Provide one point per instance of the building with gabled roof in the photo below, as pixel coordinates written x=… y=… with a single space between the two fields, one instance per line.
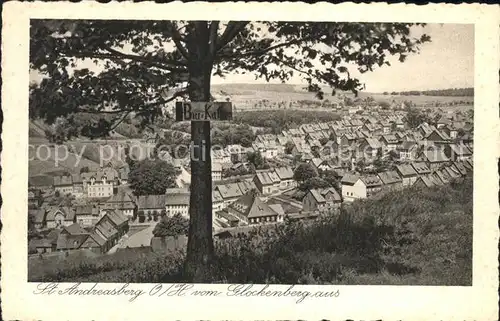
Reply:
x=59 y=216
x=250 y=209
x=434 y=158
x=285 y=174
x=421 y=168
x=122 y=202
x=373 y=184
x=390 y=180
x=457 y=152
x=229 y=192
x=266 y=182
x=352 y=187
x=389 y=142
x=177 y=202
x=73 y=229
x=407 y=173
x=370 y=147
x=424 y=182
x=87 y=215
x=460 y=168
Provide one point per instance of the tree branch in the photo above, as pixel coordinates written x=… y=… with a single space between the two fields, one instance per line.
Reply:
x=176 y=63
x=265 y=50
x=171 y=66
x=177 y=38
x=214 y=27
x=165 y=101
x=231 y=31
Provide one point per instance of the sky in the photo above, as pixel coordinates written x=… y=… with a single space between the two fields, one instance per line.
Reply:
x=446 y=62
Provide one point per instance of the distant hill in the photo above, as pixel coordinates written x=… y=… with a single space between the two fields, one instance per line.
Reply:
x=450 y=92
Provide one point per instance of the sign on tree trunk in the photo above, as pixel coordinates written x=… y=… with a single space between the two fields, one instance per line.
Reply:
x=203 y=111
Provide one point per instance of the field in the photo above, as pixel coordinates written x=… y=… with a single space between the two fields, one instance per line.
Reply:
x=47 y=157
x=245 y=96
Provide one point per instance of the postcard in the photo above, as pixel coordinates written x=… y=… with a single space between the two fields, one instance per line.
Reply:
x=249 y=161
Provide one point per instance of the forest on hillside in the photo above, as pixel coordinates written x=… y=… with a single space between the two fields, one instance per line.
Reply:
x=452 y=92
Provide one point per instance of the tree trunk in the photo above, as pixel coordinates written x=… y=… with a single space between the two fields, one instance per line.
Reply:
x=200 y=249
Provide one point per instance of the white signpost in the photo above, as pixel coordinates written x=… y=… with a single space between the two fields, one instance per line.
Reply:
x=203 y=111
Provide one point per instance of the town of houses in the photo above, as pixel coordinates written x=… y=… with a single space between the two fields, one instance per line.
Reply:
x=103 y=209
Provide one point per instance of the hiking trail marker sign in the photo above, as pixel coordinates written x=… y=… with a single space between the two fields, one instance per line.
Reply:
x=203 y=111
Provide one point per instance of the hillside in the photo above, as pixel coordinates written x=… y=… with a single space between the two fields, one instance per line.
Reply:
x=410 y=237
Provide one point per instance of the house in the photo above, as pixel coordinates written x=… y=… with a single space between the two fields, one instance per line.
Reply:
x=111 y=227
x=314 y=201
x=320 y=164
x=434 y=158
x=77 y=186
x=386 y=127
x=35 y=198
x=370 y=148
x=60 y=216
x=119 y=221
x=407 y=151
x=73 y=229
x=372 y=183
x=177 y=202
x=216 y=171
x=221 y=156
x=267 y=182
x=121 y=202
x=391 y=180
x=123 y=173
x=356 y=124
x=217 y=201
x=150 y=205
x=285 y=174
x=421 y=168
x=38 y=217
x=438 y=137
x=389 y=142
x=237 y=153
x=452 y=172
x=43 y=245
x=352 y=187
x=457 y=152
x=100 y=183
x=229 y=192
x=271 y=151
x=95 y=243
x=347 y=139
x=442 y=176
x=460 y=168
x=250 y=209
x=86 y=215
x=425 y=129
x=400 y=124
x=246 y=186
x=450 y=131
x=332 y=197
x=43 y=183
x=407 y=173
x=67 y=242
x=442 y=122
x=424 y=182
x=63 y=184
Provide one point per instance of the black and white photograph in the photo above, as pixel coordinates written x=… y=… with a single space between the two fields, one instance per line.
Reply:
x=276 y=161
x=250 y=152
